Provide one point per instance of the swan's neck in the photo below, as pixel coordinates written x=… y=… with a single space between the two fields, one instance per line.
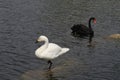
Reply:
x=43 y=47
x=89 y=24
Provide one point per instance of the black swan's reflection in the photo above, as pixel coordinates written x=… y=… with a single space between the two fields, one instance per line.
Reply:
x=90 y=39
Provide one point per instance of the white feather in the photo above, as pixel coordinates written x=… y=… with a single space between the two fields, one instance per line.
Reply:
x=49 y=50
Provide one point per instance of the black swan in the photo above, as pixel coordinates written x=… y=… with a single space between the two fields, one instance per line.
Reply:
x=82 y=30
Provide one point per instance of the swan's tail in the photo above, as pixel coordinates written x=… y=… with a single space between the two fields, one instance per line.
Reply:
x=64 y=50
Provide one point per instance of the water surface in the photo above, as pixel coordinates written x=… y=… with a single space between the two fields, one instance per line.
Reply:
x=23 y=21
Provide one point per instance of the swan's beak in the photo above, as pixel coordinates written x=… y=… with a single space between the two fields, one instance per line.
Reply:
x=36 y=41
x=94 y=21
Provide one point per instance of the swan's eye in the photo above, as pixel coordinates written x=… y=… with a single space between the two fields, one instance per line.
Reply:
x=94 y=21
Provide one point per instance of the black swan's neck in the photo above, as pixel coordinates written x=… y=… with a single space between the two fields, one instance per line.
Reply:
x=89 y=24
x=90 y=29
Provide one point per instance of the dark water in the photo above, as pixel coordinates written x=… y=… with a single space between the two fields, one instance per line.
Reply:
x=22 y=21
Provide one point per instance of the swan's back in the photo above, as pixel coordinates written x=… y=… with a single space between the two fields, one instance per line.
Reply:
x=53 y=46
x=53 y=51
x=80 y=29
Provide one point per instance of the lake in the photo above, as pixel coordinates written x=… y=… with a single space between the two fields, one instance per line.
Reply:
x=23 y=21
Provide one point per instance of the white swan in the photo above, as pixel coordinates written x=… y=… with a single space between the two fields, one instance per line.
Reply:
x=49 y=51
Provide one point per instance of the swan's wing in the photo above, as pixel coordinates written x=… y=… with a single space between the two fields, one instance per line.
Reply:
x=53 y=47
x=52 y=51
x=84 y=29
x=80 y=28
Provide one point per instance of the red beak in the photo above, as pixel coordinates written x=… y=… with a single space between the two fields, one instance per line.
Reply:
x=94 y=21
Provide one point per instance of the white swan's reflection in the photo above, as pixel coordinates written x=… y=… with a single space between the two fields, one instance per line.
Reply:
x=61 y=71
x=50 y=75
x=39 y=75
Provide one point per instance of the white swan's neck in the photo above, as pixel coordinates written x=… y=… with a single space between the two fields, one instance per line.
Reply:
x=43 y=47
